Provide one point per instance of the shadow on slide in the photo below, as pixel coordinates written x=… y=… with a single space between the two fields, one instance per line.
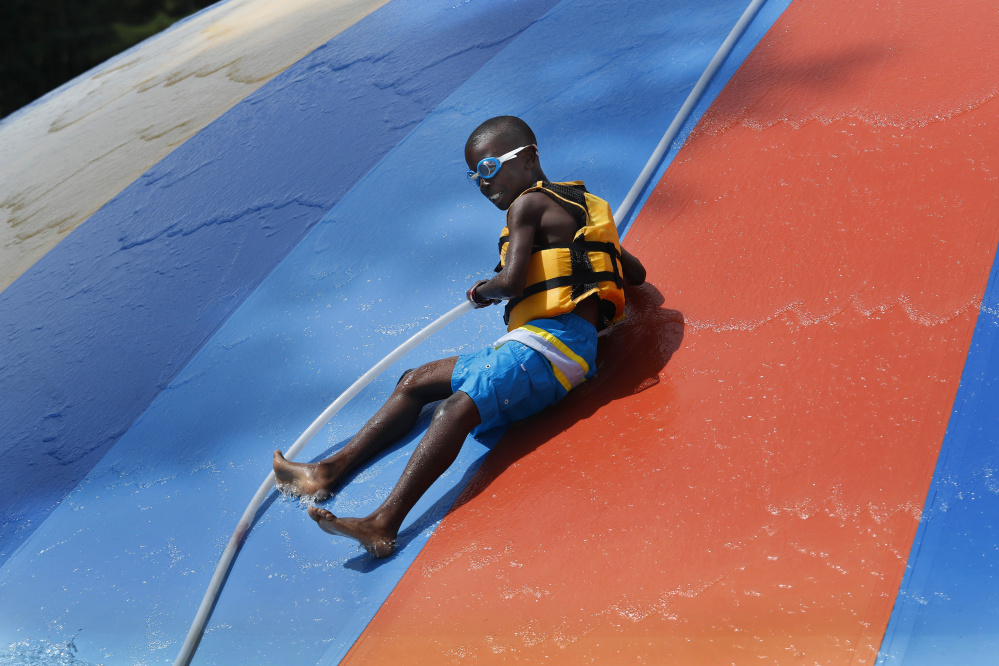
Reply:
x=630 y=357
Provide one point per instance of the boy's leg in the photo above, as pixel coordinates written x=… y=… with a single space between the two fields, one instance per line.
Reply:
x=453 y=420
x=417 y=388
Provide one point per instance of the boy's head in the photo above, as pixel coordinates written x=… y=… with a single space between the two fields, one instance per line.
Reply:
x=502 y=183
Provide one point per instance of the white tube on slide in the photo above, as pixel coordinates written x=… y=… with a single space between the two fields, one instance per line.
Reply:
x=197 y=630
x=688 y=105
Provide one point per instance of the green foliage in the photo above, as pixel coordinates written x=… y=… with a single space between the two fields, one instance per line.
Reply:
x=44 y=43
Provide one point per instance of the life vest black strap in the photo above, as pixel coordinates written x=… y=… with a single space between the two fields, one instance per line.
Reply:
x=585 y=245
x=565 y=281
x=588 y=246
x=582 y=280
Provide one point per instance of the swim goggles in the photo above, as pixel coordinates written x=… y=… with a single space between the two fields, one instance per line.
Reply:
x=490 y=166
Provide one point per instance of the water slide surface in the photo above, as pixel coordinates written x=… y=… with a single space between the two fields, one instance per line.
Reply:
x=743 y=480
x=745 y=483
x=68 y=154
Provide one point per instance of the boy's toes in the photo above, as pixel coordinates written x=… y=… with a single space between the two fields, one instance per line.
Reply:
x=318 y=514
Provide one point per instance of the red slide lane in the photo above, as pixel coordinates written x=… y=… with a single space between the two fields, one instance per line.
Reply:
x=818 y=251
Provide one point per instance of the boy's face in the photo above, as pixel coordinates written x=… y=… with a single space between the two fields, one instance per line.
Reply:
x=515 y=176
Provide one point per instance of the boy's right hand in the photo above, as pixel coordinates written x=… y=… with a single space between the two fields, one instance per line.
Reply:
x=475 y=298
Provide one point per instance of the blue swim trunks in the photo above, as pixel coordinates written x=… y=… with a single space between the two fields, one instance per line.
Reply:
x=527 y=369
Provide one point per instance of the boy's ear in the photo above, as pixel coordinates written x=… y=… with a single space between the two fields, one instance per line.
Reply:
x=531 y=158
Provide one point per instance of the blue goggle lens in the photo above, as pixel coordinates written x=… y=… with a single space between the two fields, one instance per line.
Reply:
x=487 y=168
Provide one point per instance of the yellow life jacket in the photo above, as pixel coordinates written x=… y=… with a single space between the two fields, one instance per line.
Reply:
x=561 y=275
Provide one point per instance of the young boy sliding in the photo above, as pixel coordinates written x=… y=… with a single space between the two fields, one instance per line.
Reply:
x=562 y=272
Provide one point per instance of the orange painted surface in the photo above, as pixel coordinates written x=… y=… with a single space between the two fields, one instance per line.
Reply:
x=818 y=251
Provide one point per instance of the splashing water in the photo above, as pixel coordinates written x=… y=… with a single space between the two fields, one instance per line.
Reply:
x=42 y=653
x=289 y=492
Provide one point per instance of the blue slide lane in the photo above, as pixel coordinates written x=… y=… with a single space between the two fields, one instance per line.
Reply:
x=102 y=323
x=947 y=611
x=119 y=566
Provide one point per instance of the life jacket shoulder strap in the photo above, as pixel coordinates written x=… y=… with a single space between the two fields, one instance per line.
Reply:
x=571 y=196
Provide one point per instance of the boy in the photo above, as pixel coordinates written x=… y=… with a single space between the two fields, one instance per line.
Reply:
x=562 y=271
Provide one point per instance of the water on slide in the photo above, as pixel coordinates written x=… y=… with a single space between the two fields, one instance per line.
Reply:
x=206 y=314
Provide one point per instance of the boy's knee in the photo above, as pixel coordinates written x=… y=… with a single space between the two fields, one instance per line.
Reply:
x=413 y=379
x=459 y=409
x=416 y=381
x=403 y=376
x=428 y=383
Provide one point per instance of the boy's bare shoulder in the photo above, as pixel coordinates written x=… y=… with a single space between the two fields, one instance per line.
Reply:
x=529 y=207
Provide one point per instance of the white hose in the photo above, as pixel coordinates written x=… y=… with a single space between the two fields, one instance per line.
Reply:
x=681 y=116
x=243 y=527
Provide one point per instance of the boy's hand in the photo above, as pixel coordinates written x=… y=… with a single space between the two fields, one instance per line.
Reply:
x=475 y=298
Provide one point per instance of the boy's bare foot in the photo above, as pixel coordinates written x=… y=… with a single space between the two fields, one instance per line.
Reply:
x=312 y=480
x=374 y=539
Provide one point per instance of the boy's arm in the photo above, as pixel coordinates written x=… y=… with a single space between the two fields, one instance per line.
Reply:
x=522 y=223
x=634 y=271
